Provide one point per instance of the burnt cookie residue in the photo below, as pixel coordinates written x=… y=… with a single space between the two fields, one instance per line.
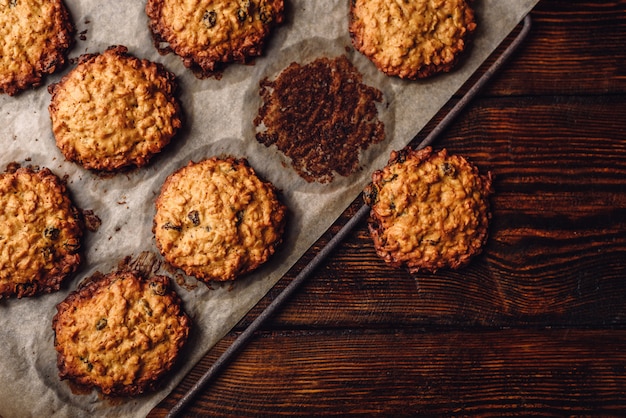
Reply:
x=321 y=116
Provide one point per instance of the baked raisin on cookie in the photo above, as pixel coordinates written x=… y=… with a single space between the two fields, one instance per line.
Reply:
x=40 y=233
x=208 y=34
x=217 y=220
x=429 y=210
x=114 y=110
x=411 y=39
x=36 y=36
x=120 y=333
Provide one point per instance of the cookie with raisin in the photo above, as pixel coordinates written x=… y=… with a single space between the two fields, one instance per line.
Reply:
x=114 y=110
x=120 y=333
x=36 y=37
x=412 y=39
x=217 y=220
x=209 y=34
x=40 y=233
x=428 y=210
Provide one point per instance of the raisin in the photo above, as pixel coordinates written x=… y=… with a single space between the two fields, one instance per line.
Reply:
x=169 y=225
x=146 y=307
x=102 y=323
x=210 y=18
x=158 y=288
x=239 y=217
x=51 y=233
x=87 y=362
x=447 y=169
x=194 y=217
x=265 y=15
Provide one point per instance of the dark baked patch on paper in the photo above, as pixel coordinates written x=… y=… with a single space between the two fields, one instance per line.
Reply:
x=321 y=116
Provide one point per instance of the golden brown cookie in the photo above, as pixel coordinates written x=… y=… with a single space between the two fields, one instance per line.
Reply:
x=217 y=220
x=411 y=39
x=36 y=36
x=120 y=333
x=40 y=233
x=114 y=110
x=207 y=34
x=429 y=210
x=321 y=116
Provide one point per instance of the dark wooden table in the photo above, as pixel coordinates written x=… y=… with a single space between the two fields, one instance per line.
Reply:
x=536 y=325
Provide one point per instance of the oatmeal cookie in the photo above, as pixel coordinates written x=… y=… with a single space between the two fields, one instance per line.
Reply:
x=429 y=210
x=40 y=233
x=114 y=110
x=411 y=39
x=120 y=333
x=321 y=116
x=208 y=34
x=36 y=36
x=217 y=220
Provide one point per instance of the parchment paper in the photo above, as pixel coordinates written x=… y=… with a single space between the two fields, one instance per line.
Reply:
x=218 y=120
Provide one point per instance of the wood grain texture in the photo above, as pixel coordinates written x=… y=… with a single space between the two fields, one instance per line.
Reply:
x=409 y=372
x=535 y=325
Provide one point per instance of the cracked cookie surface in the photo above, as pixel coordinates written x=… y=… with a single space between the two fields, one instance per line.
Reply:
x=40 y=233
x=36 y=36
x=114 y=110
x=429 y=210
x=120 y=333
x=208 y=34
x=411 y=39
x=217 y=220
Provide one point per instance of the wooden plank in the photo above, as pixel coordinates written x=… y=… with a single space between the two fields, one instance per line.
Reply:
x=575 y=47
x=404 y=372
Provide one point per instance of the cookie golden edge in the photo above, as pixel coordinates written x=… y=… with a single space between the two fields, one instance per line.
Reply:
x=278 y=221
x=77 y=320
x=110 y=164
x=62 y=243
x=363 y=44
x=379 y=221
x=208 y=61
x=53 y=57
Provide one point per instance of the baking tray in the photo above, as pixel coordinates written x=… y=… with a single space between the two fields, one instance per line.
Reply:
x=218 y=116
x=230 y=353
